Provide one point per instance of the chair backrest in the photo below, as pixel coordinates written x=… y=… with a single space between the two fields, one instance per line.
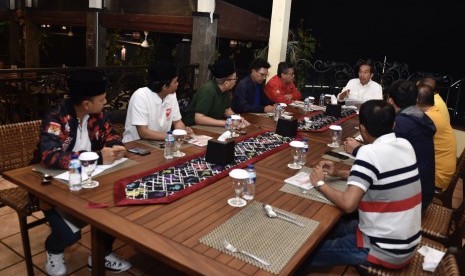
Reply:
x=446 y=196
x=17 y=144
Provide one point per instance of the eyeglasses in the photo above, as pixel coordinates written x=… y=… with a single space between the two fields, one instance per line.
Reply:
x=291 y=74
x=264 y=75
x=235 y=79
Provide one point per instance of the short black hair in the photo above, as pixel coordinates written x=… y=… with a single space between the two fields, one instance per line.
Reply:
x=404 y=93
x=367 y=62
x=377 y=116
x=283 y=67
x=258 y=63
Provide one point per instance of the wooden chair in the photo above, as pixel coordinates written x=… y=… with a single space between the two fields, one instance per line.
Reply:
x=447 y=266
x=17 y=145
x=445 y=197
x=444 y=224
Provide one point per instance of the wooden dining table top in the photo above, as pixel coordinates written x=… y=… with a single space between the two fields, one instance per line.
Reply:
x=171 y=232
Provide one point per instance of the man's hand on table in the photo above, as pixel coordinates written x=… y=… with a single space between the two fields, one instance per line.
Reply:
x=269 y=109
x=110 y=155
x=350 y=144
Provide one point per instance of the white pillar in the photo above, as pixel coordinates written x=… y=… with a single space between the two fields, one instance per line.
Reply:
x=206 y=6
x=279 y=31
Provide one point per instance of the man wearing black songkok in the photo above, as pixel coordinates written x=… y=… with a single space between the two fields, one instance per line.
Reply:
x=77 y=125
x=211 y=104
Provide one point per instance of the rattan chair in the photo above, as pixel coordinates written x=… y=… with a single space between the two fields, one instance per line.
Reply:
x=443 y=224
x=444 y=198
x=448 y=265
x=17 y=145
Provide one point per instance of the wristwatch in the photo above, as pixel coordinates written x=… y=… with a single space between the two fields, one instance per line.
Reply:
x=319 y=184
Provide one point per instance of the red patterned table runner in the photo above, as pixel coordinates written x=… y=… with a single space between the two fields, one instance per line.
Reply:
x=186 y=175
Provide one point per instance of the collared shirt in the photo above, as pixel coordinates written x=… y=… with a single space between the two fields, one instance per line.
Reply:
x=359 y=92
x=146 y=108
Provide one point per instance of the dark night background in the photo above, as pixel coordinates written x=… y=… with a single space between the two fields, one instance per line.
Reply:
x=428 y=35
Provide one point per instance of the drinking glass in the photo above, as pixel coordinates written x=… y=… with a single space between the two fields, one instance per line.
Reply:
x=88 y=164
x=238 y=178
x=311 y=101
x=179 y=136
x=235 y=121
x=297 y=148
x=336 y=136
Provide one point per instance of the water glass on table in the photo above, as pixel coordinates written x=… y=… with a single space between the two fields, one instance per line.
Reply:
x=336 y=136
x=179 y=136
x=297 y=148
x=238 y=179
x=88 y=165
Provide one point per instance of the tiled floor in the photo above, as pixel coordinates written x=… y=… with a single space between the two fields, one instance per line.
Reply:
x=12 y=262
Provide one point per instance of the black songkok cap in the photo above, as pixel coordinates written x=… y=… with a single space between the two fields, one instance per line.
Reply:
x=86 y=83
x=162 y=71
x=222 y=69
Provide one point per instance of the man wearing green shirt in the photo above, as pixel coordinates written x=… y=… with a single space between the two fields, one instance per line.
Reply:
x=211 y=104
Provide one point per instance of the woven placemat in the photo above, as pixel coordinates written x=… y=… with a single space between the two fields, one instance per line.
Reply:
x=125 y=164
x=213 y=129
x=151 y=143
x=313 y=194
x=272 y=239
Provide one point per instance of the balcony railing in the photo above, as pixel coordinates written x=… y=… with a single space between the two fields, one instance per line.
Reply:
x=26 y=94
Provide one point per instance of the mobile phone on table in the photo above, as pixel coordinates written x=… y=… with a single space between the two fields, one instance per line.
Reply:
x=337 y=155
x=139 y=151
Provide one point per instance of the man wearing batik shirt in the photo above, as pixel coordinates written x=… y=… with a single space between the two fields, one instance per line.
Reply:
x=384 y=186
x=77 y=125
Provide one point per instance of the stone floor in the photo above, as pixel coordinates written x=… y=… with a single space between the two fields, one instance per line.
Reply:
x=12 y=261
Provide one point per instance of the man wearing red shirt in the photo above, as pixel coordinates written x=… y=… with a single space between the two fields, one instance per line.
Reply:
x=281 y=88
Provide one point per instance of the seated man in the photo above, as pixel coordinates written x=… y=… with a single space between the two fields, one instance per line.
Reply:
x=153 y=110
x=384 y=186
x=362 y=88
x=248 y=96
x=445 y=145
x=77 y=125
x=415 y=126
x=438 y=101
x=211 y=103
x=281 y=88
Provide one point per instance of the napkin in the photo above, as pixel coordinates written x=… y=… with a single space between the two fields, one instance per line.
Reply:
x=432 y=257
x=224 y=136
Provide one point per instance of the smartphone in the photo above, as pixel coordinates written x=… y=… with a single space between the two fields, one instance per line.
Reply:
x=139 y=151
x=337 y=155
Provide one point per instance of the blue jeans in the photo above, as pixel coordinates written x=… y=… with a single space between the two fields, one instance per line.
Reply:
x=62 y=236
x=339 y=248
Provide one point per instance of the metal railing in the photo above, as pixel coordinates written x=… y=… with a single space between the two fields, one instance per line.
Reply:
x=26 y=94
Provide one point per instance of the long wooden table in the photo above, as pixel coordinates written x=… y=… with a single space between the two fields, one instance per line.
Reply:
x=171 y=232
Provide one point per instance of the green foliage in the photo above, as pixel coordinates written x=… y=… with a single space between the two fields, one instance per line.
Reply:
x=301 y=47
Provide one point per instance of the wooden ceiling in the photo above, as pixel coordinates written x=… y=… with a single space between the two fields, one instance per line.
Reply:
x=233 y=22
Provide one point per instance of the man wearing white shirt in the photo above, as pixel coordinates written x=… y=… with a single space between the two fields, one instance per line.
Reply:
x=362 y=88
x=154 y=109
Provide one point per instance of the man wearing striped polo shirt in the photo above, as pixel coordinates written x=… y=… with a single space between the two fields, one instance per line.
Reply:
x=384 y=185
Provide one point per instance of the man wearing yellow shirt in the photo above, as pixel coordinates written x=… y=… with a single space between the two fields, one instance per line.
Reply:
x=445 y=144
x=438 y=101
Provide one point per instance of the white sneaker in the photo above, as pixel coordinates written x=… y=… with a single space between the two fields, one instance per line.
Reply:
x=55 y=264
x=112 y=263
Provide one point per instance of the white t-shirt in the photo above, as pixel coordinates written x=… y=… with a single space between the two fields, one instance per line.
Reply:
x=358 y=92
x=146 y=108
